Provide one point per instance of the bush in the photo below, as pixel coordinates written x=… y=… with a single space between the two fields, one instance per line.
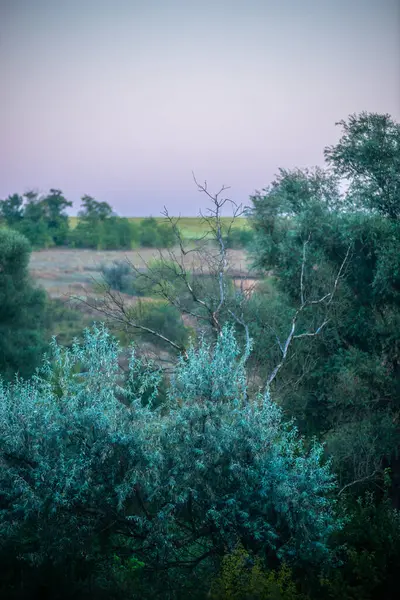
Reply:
x=66 y=322
x=88 y=472
x=112 y=233
x=239 y=238
x=120 y=276
x=163 y=318
x=22 y=309
x=370 y=543
x=243 y=577
x=154 y=235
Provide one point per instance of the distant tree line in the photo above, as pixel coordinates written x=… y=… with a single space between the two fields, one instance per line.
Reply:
x=43 y=220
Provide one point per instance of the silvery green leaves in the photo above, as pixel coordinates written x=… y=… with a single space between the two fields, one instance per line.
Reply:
x=214 y=373
x=176 y=484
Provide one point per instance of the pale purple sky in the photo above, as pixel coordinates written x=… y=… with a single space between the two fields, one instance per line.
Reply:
x=122 y=99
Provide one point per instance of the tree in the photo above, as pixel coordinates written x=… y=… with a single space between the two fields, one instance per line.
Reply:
x=368 y=155
x=22 y=309
x=155 y=235
x=88 y=472
x=94 y=211
x=100 y=228
x=11 y=211
x=345 y=383
x=42 y=219
x=54 y=205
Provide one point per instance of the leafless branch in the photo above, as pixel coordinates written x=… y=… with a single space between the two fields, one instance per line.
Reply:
x=361 y=480
x=113 y=306
x=212 y=259
x=327 y=299
x=303 y=264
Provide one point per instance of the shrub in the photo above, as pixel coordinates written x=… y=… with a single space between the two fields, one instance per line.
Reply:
x=155 y=235
x=88 y=472
x=239 y=238
x=161 y=317
x=370 y=543
x=243 y=577
x=111 y=233
x=22 y=309
x=121 y=277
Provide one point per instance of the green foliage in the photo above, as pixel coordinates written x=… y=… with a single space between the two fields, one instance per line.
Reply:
x=33 y=224
x=239 y=238
x=89 y=470
x=65 y=320
x=125 y=573
x=346 y=380
x=22 y=309
x=42 y=219
x=161 y=317
x=99 y=228
x=243 y=577
x=368 y=154
x=54 y=205
x=153 y=234
x=120 y=276
x=12 y=210
x=370 y=543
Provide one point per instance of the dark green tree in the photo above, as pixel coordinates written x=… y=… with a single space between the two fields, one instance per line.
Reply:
x=100 y=228
x=34 y=224
x=155 y=235
x=22 y=309
x=368 y=155
x=346 y=380
x=54 y=205
x=11 y=211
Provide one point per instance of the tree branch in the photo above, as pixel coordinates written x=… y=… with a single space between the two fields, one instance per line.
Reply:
x=304 y=303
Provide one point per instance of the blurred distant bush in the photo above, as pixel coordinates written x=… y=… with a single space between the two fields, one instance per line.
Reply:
x=120 y=276
x=239 y=238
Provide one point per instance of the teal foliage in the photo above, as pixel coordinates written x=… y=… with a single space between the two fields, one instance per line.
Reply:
x=86 y=464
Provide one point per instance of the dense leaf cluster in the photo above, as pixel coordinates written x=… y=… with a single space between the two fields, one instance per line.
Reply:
x=348 y=378
x=84 y=462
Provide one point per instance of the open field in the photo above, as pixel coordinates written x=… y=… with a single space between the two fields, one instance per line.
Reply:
x=191 y=227
x=65 y=272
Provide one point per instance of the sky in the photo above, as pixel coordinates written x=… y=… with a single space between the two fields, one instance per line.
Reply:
x=123 y=99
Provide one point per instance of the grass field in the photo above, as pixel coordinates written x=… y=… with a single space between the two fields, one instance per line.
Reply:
x=191 y=227
x=69 y=273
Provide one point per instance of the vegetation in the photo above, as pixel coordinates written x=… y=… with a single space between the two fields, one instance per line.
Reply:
x=214 y=468
x=43 y=220
x=23 y=322
x=255 y=455
x=349 y=377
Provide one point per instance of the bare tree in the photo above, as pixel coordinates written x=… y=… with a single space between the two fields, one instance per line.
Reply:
x=186 y=266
